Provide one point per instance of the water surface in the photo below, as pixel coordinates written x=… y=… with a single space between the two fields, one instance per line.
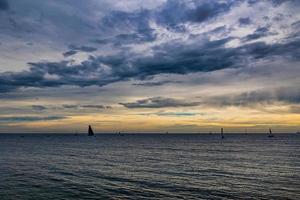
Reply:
x=149 y=167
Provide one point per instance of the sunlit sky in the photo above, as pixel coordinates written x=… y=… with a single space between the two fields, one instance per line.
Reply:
x=139 y=66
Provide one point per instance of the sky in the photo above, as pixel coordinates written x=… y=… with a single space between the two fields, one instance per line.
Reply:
x=182 y=66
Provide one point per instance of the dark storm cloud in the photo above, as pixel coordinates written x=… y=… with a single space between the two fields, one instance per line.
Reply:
x=176 y=58
x=198 y=54
x=159 y=102
x=29 y=119
x=4 y=5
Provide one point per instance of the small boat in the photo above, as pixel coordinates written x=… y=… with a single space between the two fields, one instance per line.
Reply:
x=270 y=133
x=222 y=133
x=91 y=132
x=298 y=132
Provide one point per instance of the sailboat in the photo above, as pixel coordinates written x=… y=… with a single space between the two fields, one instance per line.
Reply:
x=91 y=132
x=222 y=133
x=270 y=133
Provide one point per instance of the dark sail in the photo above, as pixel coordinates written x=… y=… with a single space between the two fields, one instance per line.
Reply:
x=91 y=132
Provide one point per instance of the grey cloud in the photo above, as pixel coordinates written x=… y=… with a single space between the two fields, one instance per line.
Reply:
x=258 y=33
x=82 y=48
x=285 y=95
x=159 y=102
x=96 y=106
x=69 y=106
x=295 y=109
x=178 y=11
x=174 y=58
x=4 y=5
x=69 y=53
x=177 y=114
x=198 y=54
x=38 y=107
x=244 y=21
x=29 y=119
x=153 y=83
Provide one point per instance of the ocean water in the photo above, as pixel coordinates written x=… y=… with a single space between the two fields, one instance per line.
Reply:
x=149 y=167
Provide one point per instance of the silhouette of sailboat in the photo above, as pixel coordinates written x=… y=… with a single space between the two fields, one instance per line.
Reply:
x=270 y=133
x=222 y=133
x=91 y=132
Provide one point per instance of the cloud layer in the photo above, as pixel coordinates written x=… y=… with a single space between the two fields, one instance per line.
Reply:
x=172 y=57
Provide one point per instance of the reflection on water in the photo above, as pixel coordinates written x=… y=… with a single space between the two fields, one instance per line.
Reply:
x=149 y=167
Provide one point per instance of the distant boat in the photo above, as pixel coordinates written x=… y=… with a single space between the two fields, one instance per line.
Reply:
x=222 y=133
x=91 y=132
x=298 y=132
x=270 y=133
x=120 y=134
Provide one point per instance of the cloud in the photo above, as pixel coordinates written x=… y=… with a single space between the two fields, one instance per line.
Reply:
x=159 y=102
x=29 y=119
x=129 y=31
x=82 y=48
x=287 y=95
x=179 y=11
x=38 y=107
x=78 y=106
x=155 y=83
x=177 y=114
x=96 y=106
x=170 y=58
x=75 y=49
x=69 y=53
x=258 y=33
x=4 y=5
x=244 y=21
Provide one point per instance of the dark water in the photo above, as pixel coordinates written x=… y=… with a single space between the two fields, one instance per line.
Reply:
x=149 y=167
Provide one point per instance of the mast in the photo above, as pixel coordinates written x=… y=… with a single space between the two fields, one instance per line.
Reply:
x=270 y=133
x=91 y=132
x=222 y=133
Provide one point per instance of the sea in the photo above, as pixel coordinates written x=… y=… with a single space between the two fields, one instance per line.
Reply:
x=149 y=166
